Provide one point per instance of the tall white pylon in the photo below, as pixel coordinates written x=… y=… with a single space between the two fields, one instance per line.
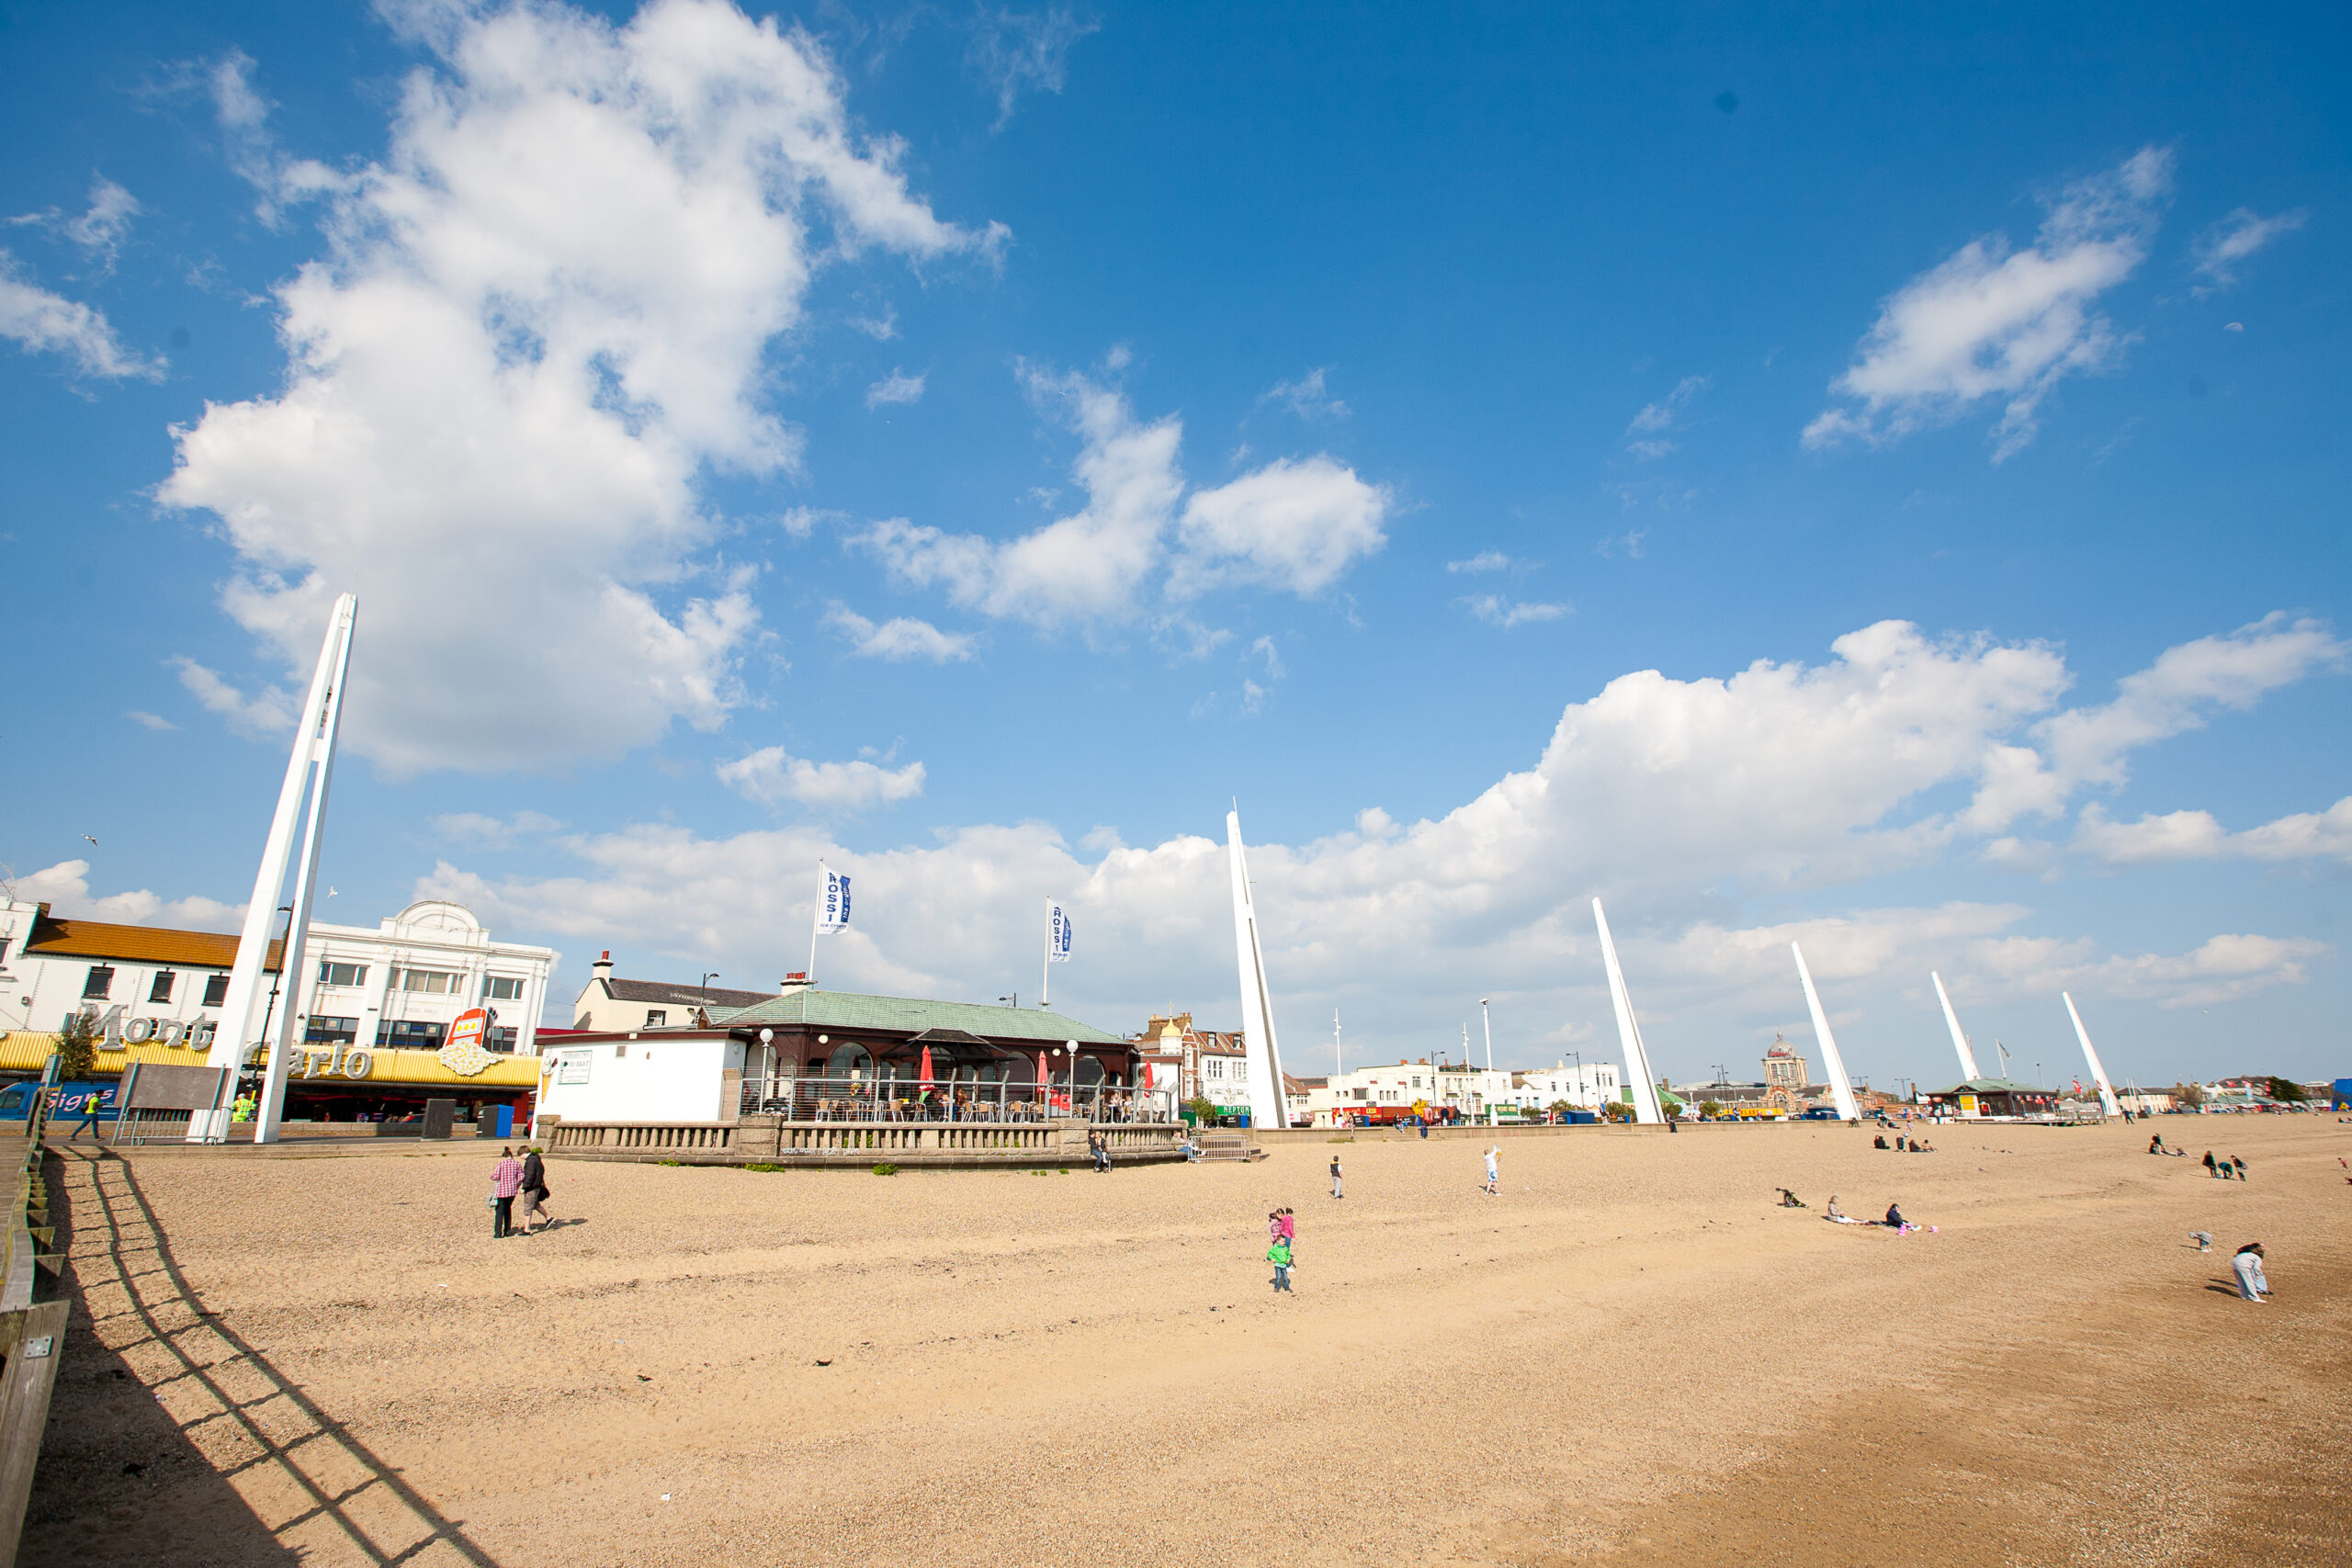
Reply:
x=1261 y=1060
x=239 y=1030
x=2107 y=1099
x=1951 y=1021
x=1840 y=1089
x=1647 y=1108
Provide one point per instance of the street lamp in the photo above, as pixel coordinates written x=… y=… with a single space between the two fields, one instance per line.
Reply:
x=708 y=976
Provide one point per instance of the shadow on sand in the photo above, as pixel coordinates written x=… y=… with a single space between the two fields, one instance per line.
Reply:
x=171 y=1440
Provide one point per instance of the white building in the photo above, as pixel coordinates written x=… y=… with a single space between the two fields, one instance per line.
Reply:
x=399 y=984
x=1588 y=1086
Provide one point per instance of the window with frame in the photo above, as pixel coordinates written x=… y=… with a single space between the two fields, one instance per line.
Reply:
x=502 y=988
x=100 y=981
x=655 y=1018
x=415 y=1034
x=429 y=981
x=324 y=1031
x=502 y=1040
x=216 y=991
x=343 y=973
x=160 y=988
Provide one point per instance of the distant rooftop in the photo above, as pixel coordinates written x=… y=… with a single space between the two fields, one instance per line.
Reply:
x=847 y=1010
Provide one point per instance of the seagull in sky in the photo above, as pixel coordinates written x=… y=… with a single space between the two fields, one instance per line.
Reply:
x=93 y=844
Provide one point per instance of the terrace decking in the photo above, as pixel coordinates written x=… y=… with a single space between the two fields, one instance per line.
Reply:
x=773 y=1140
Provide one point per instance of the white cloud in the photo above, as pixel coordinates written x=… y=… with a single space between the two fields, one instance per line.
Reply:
x=899 y=637
x=149 y=720
x=1675 y=799
x=43 y=323
x=1496 y=609
x=1668 y=410
x=1308 y=396
x=1253 y=696
x=1648 y=451
x=1990 y=323
x=2221 y=247
x=253 y=153
x=1295 y=525
x=895 y=388
x=491 y=833
x=2198 y=835
x=1018 y=52
x=267 y=714
x=100 y=229
x=2174 y=693
x=540 y=324
x=65 y=886
x=1484 y=560
x=771 y=776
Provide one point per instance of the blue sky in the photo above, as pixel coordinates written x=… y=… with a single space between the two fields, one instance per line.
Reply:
x=1873 y=481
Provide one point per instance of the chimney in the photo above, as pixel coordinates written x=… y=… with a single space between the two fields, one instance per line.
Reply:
x=602 y=968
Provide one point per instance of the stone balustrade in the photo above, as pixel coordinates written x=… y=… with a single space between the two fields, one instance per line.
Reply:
x=773 y=1140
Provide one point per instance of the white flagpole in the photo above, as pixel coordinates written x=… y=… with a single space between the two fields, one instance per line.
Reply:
x=1841 y=1089
x=1045 y=984
x=816 y=921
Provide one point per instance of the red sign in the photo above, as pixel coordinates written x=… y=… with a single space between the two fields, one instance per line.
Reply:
x=469 y=1029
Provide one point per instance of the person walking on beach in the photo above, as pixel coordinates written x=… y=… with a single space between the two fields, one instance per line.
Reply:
x=2240 y=1165
x=1494 y=1176
x=1334 y=1178
x=2247 y=1267
x=505 y=1181
x=534 y=1190
x=1279 y=1256
x=2212 y=1167
x=89 y=1123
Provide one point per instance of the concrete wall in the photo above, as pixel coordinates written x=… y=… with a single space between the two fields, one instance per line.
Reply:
x=653 y=1078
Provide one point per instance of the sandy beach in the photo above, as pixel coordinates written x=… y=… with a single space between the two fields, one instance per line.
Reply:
x=1632 y=1355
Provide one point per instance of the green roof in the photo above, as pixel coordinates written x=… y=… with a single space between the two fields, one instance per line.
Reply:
x=911 y=1015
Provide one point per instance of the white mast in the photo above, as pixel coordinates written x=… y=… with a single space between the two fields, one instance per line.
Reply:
x=1261 y=1059
x=1646 y=1109
x=314 y=742
x=2106 y=1091
x=1839 y=1088
x=1959 y=1041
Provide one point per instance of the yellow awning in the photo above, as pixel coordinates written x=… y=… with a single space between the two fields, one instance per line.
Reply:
x=29 y=1050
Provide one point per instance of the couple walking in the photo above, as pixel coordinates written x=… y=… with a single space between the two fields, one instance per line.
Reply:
x=525 y=1178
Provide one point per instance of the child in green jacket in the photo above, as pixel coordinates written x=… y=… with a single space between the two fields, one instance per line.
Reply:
x=1279 y=1256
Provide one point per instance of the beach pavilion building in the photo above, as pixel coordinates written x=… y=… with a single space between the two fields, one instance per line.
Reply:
x=1993 y=1097
x=815 y=1056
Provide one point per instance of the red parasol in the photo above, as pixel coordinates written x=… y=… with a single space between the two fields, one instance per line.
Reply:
x=922 y=1072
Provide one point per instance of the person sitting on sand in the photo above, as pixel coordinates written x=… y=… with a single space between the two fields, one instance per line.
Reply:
x=2247 y=1267
x=1921 y=1146
x=1879 y=1142
x=2157 y=1145
x=1895 y=1220
x=1790 y=1199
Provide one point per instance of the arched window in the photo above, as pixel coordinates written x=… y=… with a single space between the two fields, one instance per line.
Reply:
x=1090 y=1071
x=849 y=1057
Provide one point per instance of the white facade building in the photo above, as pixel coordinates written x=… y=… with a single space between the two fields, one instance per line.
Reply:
x=1588 y=1086
x=399 y=984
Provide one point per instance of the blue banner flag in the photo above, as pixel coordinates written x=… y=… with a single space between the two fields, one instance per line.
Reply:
x=833 y=913
x=1058 y=935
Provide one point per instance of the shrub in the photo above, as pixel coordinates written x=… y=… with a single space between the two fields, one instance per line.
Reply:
x=762 y=1166
x=671 y=1162
x=77 y=1048
x=886 y=1168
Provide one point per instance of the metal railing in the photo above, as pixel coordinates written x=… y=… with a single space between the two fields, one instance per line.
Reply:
x=950 y=1100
